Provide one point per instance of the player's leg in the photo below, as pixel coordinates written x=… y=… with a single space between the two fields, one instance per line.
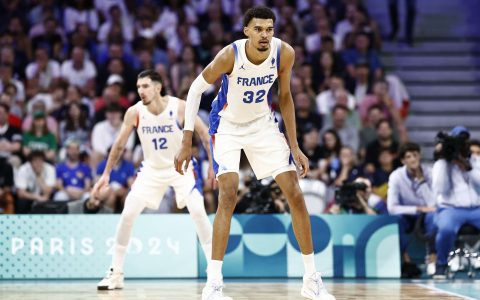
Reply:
x=269 y=155
x=188 y=194
x=114 y=278
x=226 y=159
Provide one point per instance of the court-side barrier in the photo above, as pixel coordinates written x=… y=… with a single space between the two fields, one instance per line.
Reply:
x=165 y=246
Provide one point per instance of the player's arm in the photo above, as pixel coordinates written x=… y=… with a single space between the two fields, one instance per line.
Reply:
x=221 y=64
x=287 y=108
x=116 y=151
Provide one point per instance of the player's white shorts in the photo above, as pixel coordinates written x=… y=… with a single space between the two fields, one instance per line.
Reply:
x=150 y=185
x=264 y=145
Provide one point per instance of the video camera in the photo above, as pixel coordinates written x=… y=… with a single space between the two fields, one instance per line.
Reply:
x=453 y=147
x=346 y=195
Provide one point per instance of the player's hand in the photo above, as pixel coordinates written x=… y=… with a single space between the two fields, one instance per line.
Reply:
x=182 y=158
x=211 y=180
x=101 y=184
x=301 y=161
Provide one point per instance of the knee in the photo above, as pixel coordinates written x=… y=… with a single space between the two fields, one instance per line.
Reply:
x=295 y=197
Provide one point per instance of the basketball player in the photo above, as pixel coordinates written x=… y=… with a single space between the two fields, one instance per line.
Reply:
x=241 y=118
x=157 y=120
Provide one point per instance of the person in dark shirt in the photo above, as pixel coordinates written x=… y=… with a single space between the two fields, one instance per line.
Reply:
x=384 y=140
x=6 y=185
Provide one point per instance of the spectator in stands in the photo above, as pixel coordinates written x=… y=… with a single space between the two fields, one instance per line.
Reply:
x=454 y=184
x=80 y=12
x=326 y=100
x=410 y=197
x=379 y=177
x=411 y=12
x=348 y=170
x=111 y=96
x=346 y=25
x=12 y=119
x=331 y=145
x=6 y=78
x=384 y=140
x=43 y=73
x=187 y=65
x=382 y=98
x=18 y=59
x=313 y=40
x=74 y=178
x=105 y=132
x=40 y=138
x=6 y=186
x=348 y=133
x=305 y=117
x=34 y=181
x=121 y=179
x=115 y=22
x=49 y=37
x=360 y=85
x=368 y=133
x=74 y=96
x=39 y=105
x=312 y=150
x=88 y=206
x=80 y=71
x=362 y=53
x=10 y=137
x=75 y=126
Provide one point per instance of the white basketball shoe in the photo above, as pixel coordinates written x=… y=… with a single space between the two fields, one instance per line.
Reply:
x=113 y=280
x=314 y=289
x=214 y=291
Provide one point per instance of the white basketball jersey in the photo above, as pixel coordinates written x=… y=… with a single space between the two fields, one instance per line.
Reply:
x=245 y=94
x=160 y=135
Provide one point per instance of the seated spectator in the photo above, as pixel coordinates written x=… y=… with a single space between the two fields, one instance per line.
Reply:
x=49 y=36
x=379 y=177
x=331 y=145
x=348 y=170
x=80 y=12
x=326 y=99
x=410 y=197
x=454 y=184
x=74 y=178
x=362 y=53
x=105 y=132
x=305 y=117
x=6 y=187
x=13 y=119
x=348 y=134
x=80 y=71
x=74 y=96
x=6 y=78
x=121 y=179
x=40 y=138
x=44 y=72
x=384 y=140
x=38 y=105
x=76 y=126
x=382 y=99
x=111 y=96
x=360 y=85
x=34 y=181
x=313 y=151
x=187 y=65
x=324 y=70
x=10 y=137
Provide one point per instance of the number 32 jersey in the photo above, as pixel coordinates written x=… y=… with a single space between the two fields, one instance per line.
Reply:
x=160 y=135
x=245 y=93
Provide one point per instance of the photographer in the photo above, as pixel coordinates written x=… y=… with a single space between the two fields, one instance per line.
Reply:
x=410 y=197
x=355 y=198
x=454 y=182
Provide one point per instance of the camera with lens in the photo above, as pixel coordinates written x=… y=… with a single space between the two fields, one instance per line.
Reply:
x=258 y=199
x=453 y=148
x=346 y=195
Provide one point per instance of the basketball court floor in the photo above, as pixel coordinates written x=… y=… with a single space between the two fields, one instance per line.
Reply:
x=241 y=289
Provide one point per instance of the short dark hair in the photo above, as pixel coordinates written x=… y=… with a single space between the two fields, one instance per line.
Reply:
x=152 y=74
x=341 y=107
x=36 y=154
x=259 y=12
x=408 y=147
x=114 y=107
x=379 y=123
x=474 y=143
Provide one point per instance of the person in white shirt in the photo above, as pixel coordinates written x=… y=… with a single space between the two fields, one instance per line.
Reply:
x=44 y=72
x=454 y=182
x=79 y=71
x=34 y=181
x=410 y=197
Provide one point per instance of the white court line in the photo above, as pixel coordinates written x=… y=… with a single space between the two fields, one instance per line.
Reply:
x=444 y=291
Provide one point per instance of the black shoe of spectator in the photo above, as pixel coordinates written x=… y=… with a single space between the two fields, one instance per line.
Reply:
x=440 y=272
x=410 y=270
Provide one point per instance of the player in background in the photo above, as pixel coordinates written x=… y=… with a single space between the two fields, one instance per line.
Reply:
x=241 y=119
x=157 y=120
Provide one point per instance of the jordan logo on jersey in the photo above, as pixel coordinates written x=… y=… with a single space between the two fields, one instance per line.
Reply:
x=242 y=67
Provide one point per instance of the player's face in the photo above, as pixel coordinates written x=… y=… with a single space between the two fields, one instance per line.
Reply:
x=260 y=33
x=148 y=90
